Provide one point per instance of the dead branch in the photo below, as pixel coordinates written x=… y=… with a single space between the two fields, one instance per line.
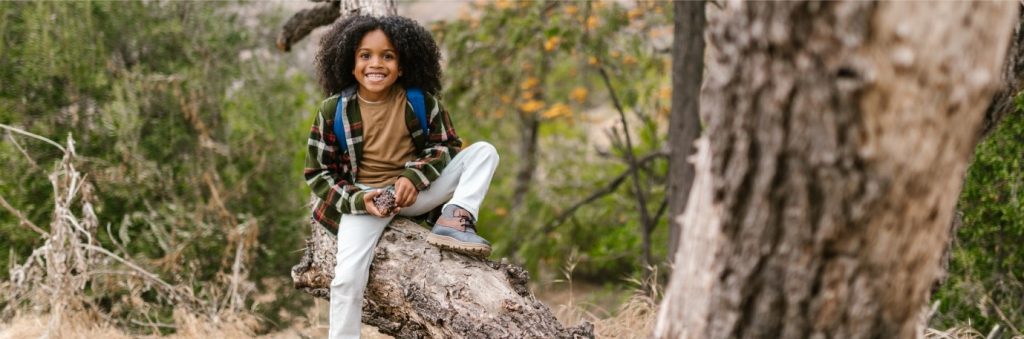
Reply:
x=21 y=217
x=415 y=290
x=304 y=22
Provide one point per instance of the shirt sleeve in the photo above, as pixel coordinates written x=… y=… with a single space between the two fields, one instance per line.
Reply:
x=441 y=146
x=325 y=175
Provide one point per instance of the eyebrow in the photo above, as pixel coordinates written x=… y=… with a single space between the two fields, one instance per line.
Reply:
x=370 y=50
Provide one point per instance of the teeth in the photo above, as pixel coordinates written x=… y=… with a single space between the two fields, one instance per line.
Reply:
x=375 y=76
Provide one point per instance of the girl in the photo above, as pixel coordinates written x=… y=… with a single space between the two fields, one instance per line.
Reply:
x=366 y=66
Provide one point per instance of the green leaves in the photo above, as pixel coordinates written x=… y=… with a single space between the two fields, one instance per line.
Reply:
x=986 y=268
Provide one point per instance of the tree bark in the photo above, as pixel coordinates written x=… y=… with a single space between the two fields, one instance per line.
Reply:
x=839 y=133
x=418 y=291
x=687 y=76
x=304 y=22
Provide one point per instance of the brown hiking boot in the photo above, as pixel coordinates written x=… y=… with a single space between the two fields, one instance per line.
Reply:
x=456 y=231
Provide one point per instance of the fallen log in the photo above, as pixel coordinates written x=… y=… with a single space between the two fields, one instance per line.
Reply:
x=418 y=291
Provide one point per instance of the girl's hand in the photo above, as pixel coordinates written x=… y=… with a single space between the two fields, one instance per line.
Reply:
x=405 y=192
x=371 y=208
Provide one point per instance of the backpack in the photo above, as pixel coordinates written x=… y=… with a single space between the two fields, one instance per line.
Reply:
x=412 y=94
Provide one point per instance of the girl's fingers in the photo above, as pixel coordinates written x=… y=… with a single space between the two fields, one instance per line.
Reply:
x=400 y=197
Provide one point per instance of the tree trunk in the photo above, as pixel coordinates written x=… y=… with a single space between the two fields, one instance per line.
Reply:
x=687 y=76
x=418 y=291
x=528 y=161
x=839 y=133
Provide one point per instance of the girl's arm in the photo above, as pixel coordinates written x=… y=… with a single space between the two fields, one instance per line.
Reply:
x=441 y=146
x=324 y=173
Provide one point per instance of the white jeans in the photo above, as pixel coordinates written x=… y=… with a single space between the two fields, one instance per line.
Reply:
x=463 y=182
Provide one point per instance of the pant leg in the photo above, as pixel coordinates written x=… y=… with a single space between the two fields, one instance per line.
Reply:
x=463 y=182
x=357 y=238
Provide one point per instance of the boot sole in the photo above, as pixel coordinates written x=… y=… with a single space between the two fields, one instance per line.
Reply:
x=454 y=245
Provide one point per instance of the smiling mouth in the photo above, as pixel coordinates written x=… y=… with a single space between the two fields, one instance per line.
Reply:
x=375 y=76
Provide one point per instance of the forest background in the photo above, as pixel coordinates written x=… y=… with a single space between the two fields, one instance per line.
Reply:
x=189 y=128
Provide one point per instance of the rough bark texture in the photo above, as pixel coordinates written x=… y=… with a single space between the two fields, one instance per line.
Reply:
x=418 y=291
x=687 y=76
x=840 y=132
x=688 y=294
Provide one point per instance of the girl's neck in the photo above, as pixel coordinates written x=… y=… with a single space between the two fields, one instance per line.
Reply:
x=375 y=98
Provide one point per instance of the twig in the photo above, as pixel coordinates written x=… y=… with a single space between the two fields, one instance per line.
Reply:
x=33 y=135
x=24 y=221
x=22 y=150
x=608 y=189
x=661 y=212
x=1003 y=317
x=152 y=324
x=131 y=265
x=645 y=218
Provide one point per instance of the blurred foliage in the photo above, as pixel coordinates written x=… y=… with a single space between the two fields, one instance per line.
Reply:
x=510 y=63
x=188 y=128
x=986 y=281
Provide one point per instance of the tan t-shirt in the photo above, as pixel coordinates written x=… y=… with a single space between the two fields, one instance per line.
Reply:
x=387 y=144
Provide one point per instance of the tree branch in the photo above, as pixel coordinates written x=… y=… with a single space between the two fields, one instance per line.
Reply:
x=607 y=189
x=21 y=217
x=645 y=218
x=304 y=22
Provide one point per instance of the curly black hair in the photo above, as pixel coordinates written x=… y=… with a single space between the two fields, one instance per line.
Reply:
x=418 y=55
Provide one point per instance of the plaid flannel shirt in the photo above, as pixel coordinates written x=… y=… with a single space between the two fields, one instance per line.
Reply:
x=331 y=172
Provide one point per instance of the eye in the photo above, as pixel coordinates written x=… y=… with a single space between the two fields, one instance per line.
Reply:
x=364 y=55
x=389 y=56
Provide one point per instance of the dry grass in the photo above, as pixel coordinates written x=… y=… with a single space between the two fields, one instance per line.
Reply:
x=74 y=327
x=85 y=327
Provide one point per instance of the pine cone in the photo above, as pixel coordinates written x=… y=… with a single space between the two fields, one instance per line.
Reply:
x=385 y=201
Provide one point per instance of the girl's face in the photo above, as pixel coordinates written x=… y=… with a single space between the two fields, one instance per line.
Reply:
x=376 y=65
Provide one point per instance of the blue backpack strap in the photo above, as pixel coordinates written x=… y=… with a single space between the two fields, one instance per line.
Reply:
x=339 y=124
x=419 y=106
x=339 y=116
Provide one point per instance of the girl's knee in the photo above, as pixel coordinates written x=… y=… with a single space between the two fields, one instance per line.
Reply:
x=484 y=149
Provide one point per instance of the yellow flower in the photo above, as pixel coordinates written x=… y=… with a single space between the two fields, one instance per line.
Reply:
x=579 y=94
x=505 y=99
x=592 y=61
x=665 y=92
x=531 y=106
x=500 y=211
x=634 y=13
x=503 y=4
x=529 y=83
x=557 y=110
x=592 y=22
x=629 y=60
x=551 y=43
x=527 y=95
x=614 y=54
x=571 y=10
